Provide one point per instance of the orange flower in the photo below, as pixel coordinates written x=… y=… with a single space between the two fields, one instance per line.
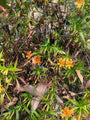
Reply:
x=1 y=89
x=78 y=118
x=37 y=60
x=69 y=63
x=29 y=54
x=61 y=62
x=71 y=15
x=66 y=112
x=79 y=3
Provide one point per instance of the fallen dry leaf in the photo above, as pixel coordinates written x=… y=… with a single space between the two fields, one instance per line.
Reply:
x=59 y=101
x=35 y=102
x=18 y=87
x=87 y=84
x=37 y=92
x=67 y=97
x=27 y=88
x=72 y=93
x=22 y=80
x=42 y=89
x=12 y=102
x=80 y=76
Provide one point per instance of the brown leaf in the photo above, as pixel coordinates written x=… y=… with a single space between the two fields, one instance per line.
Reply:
x=18 y=87
x=12 y=102
x=67 y=97
x=3 y=109
x=35 y=102
x=80 y=76
x=72 y=93
x=42 y=89
x=59 y=100
x=27 y=88
x=87 y=84
x=37 y=92
x=22 y=80
x=30 y=89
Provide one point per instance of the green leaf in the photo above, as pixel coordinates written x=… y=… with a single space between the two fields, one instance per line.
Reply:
x=34 y=112
x=80 y=114
x=3 y=68
x=0 y=55
x=4 y=4
x=85 y=109
x=82 y=36
x=27 y=110
x=74 y=102
x=8 y=95
x=17 y=115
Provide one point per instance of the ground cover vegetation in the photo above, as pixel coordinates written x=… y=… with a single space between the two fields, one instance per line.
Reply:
x=44 y=60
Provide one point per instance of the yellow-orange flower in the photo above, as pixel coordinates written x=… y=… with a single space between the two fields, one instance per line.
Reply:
x=66 y=112
x=79 y=3
x=37 y=60
x=0 y=89
x=69 y=63
x=29 y=54
x=71 y=15
x=61 y=62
